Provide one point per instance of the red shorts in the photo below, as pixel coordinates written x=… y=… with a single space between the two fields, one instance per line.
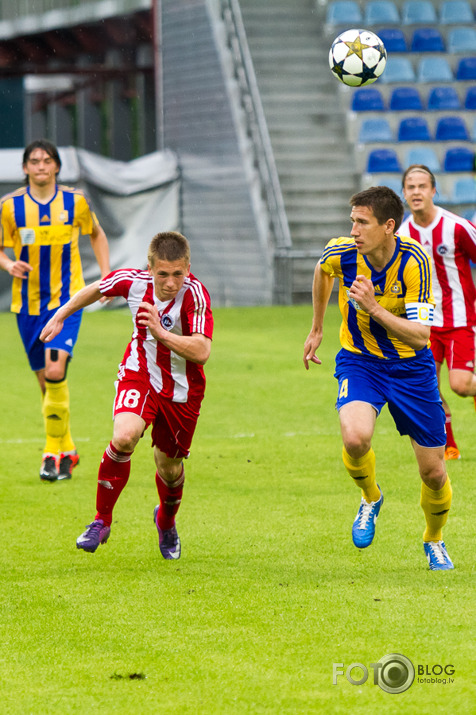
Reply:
x=173 y=423
x=455 y=345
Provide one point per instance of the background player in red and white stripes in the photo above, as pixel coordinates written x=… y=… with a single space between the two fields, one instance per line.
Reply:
x=451 y=241
x=160 y=381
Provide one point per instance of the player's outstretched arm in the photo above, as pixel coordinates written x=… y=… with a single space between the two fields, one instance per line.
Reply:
x=86 y=296
x=321 y=293
x=100 y=247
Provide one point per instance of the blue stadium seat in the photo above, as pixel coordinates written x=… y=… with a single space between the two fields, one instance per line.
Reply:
x=375 y=130
x=470 y=99
x=393 y=39
x=381 y=12
x=405 y=98
x=466 y=69
x=434 y=69
x=412 y=129
x=441 y=98
x=383 y=160
x=344 y=12
x=418 y=12
x=455 y=12
x=451 y=129
x=427 y=39
x=425 y=155
x=398 y=69
x=459 y=158
x=367 y=99
x=461 y=40
x=464 y=191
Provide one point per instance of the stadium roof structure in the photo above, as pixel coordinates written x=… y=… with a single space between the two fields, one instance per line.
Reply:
x=51 y=42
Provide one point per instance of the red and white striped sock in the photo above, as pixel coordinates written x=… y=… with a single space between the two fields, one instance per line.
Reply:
x=450 y=440
x=113 y=474
x=170 y=495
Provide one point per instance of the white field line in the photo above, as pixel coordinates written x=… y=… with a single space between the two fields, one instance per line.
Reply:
x=238 y=435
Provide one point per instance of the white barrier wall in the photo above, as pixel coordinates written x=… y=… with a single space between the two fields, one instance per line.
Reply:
x=133 y=201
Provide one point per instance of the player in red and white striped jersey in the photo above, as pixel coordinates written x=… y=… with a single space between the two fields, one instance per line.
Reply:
x=160 y=381
x=451 y=241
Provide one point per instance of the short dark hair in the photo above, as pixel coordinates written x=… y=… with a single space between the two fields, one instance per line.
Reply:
x=419 y=167
x=47 y=146
x=383 y=201
x=168 y=246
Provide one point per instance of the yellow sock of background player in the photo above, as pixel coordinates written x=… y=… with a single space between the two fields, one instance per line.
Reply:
x=56 y=417
x=436 y=505
x=362 y=471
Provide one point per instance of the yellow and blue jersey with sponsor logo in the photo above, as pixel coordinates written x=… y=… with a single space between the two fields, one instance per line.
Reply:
x=46 y=236
x=403 y=288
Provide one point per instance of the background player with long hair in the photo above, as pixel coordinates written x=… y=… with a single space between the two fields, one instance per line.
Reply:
x=451 y=242
x=42 y=223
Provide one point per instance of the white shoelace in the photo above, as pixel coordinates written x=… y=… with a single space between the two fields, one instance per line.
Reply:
x=366 y=510
x=438 y=552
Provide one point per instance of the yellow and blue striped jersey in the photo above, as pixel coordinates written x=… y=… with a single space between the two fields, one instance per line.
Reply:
x=403 y=288
x=46 y=236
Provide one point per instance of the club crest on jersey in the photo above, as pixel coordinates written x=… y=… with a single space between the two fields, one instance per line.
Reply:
x=396 y=287
x=442 y=249
x=167 y=321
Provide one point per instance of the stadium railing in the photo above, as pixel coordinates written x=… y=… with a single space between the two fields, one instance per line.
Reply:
x=261 y=143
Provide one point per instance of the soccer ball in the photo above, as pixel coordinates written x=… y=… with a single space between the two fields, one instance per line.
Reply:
x=357 y=57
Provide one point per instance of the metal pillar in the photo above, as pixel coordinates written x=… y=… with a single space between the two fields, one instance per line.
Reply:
x=158 y=73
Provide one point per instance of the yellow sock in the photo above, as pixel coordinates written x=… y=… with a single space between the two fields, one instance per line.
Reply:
x=362 y=471
x=435 y=505
x=56 y=416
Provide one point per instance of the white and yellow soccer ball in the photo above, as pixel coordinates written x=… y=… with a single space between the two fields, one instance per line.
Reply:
x=357 y=57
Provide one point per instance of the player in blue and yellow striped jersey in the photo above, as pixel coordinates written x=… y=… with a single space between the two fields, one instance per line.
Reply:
x=386 y=302
x=42 y=223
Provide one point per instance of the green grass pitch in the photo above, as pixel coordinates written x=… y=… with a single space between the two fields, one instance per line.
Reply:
x=269 y=592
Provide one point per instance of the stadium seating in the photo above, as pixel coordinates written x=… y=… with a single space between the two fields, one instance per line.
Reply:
x=383 y=160
x=451 y=129
x=398 y=69
x=434 y=44
x=405 y=99
x=459 y=159
x=423 y=155
x=375 y=130
x=344 y=12
x=435 y=70
x=413 y=129
x=381 y=12
x=441 y=98
x=394 y=39
x=456 y=12
x=461 y=40
x=427 y=39
x=418 y=12
x=470 y=99
x=367 y=99
x=464 y=191
x=466 y=69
